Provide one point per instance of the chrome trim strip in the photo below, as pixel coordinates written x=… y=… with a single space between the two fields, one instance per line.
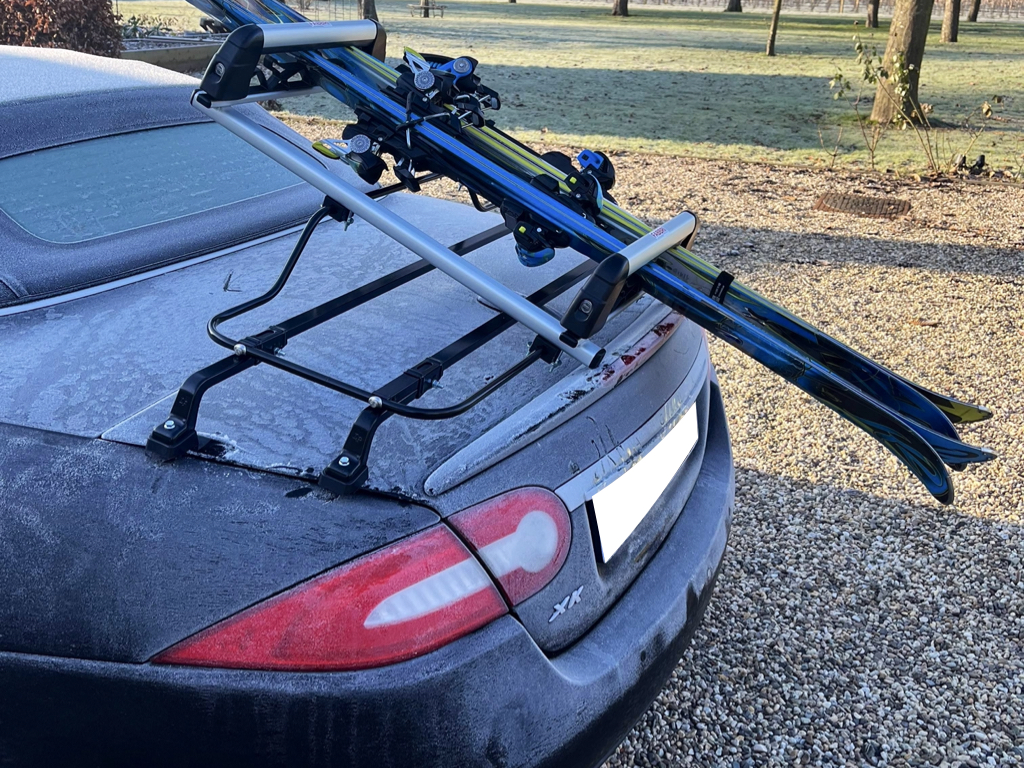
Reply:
x=138 y=278
x=544 y=413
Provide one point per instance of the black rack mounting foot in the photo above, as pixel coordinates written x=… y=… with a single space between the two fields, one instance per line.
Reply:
x=172 y=439
x=594 y=303
x=348 y=472
x=343 y=476
x=176 y=435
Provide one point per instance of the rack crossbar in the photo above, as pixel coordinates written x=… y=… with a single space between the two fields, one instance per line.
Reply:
x=350 y=469
x=403 y=232
x=276 y=95
x=177 y=435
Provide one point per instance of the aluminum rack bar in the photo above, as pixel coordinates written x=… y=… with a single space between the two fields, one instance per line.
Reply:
x=312 y=35
x=233 y=66
x=268 y=95
x=660 y=239
x=400 y=230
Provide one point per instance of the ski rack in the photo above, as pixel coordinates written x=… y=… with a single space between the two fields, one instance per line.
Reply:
x=235 y=64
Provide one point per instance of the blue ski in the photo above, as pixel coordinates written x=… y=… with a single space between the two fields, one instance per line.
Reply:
x=911 y=422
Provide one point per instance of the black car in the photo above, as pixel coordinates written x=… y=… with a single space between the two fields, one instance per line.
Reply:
x=508 y=587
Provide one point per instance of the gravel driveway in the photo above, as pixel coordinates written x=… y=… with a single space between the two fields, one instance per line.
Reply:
x=856 y=621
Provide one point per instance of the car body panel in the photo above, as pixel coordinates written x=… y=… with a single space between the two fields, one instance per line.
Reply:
x=490 y=698
x=591 y=585
x=108 y=555
x=109 y=364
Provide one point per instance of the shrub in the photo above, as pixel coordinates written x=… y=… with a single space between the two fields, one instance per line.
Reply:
x=88 y=26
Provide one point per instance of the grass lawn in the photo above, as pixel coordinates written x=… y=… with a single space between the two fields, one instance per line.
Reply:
x=697 y=83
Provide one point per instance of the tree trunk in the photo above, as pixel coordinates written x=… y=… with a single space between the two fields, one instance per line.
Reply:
x=975 y=7
x=907 y=36
x=620 y=8
x=734 y=6
x=368 y=9
x=951 y=21
x=872 y=14
x=773 y=30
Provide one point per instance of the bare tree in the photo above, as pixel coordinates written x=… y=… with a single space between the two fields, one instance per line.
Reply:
x=368 y=9
x=734 y=6
x=902 y=60
x=951 y=21
x=773 y=30
x=872 y=22
x=975 y=7
x=620 y=8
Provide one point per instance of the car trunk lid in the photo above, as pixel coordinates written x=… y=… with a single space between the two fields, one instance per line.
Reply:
x=109 y=366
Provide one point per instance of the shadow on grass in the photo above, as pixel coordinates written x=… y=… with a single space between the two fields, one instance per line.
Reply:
x=653 y=105
x=675 y=106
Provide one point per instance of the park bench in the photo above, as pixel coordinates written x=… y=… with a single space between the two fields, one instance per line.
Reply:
x=426 y=8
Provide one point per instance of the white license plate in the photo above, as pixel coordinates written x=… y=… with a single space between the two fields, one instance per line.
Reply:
x=620 y=506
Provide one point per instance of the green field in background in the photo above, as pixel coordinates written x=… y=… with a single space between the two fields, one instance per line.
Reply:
x=695 y=83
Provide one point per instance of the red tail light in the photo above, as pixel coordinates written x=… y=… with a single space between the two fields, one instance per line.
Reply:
x=399 y=602
x=522 y=536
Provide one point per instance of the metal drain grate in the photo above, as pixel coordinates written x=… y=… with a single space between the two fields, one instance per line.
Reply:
x=862 y=205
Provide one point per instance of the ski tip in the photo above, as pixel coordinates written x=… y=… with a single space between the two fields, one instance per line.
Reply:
x=955 y=410
x=938 y=482
x=958 y=455
x=988 y=453
x=977 y=455
x=974 y=413
x=952 y=452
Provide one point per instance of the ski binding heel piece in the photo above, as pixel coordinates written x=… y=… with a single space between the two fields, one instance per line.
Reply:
x=598 y=165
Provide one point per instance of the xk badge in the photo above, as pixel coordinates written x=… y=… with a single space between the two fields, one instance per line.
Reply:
x=566 y=604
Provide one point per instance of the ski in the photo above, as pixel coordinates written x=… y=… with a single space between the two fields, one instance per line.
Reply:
x=902 y=417
x=929 y=408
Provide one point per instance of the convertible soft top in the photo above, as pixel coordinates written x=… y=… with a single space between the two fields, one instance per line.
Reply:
x=53 y=98
x=39 y=73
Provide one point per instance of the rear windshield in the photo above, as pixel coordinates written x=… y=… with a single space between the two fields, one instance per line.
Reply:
x=100 y=187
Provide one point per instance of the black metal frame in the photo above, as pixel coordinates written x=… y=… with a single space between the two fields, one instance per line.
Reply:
x=177 y=435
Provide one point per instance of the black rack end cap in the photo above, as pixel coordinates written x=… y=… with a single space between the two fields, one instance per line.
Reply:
x=590 y=309
x=378 y=48
x=232 y=67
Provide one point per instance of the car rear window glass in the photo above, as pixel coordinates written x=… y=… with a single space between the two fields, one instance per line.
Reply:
x=103 y=186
